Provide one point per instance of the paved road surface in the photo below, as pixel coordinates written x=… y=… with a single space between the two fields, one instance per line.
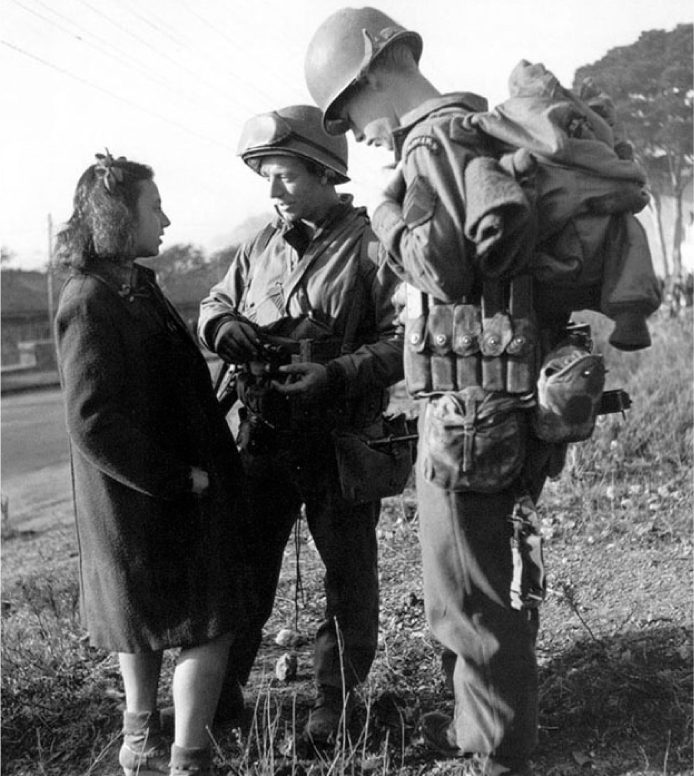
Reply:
x=35 y=456
x=33 y=432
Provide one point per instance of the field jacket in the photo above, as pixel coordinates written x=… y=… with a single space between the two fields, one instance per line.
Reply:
x=331 y=285
x=462 y=218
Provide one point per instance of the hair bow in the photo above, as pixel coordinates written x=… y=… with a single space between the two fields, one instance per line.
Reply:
x=107 y=171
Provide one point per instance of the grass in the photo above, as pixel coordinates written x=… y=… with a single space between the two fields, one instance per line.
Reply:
x=615 y=648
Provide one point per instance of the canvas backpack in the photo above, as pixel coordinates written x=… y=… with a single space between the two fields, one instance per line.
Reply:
x=591 y=252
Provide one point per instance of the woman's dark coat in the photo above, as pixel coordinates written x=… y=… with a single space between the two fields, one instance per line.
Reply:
x=159 y=566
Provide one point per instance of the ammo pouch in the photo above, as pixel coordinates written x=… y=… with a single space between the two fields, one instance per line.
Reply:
x=494 y=346
x=375 y=462
x=474 y=440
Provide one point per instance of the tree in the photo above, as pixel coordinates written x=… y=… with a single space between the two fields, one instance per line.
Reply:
x=650 y=83
x=222 y=260
x=177 y=260
x=184 y=273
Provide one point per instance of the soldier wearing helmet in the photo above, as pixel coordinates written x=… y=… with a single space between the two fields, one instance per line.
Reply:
x=305 y=316
x=458 y=230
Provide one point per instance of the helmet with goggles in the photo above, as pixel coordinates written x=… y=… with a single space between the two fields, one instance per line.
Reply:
x=293 y=131
x=342 y=50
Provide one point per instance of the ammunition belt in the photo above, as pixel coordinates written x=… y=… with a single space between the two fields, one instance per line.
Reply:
x=493 y=345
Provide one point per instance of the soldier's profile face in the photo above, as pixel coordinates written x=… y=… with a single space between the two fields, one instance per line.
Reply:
x=295 y=192
x=370 y=117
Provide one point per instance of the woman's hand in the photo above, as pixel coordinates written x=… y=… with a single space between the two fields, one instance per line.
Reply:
x=200 y=481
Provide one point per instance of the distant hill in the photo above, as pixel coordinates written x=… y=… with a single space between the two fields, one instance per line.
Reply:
x=242 y=232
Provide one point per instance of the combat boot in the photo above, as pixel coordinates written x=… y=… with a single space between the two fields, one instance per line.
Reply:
x=330 y=712
x=438 y=733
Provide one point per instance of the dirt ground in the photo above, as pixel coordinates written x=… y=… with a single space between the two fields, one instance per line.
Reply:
x=614 y=651
x=614 y=648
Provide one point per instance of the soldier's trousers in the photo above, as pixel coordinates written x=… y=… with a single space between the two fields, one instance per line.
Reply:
x=467 y=568
x=345 y=537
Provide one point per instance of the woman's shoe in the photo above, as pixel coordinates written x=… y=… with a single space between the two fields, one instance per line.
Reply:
x=144 y=751
x=190 y=762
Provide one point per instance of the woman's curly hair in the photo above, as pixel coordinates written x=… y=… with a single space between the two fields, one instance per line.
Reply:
x=104 y=217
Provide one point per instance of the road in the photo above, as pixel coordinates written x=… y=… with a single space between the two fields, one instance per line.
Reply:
x=35 y=456
x=36 y=459
x=33 y=432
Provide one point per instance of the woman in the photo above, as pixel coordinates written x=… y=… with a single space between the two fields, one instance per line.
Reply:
x=155 y=470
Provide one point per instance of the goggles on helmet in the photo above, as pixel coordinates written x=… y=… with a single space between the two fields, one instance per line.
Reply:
x=268 y=129
x=270 y=133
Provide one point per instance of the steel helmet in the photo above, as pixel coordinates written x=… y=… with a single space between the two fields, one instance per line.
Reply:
x=294 y=131
x=341 y=51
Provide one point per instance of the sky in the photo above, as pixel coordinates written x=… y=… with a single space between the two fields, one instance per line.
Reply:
x=170 y=83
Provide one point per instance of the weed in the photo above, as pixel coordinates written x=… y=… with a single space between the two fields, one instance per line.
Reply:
x=614 y=650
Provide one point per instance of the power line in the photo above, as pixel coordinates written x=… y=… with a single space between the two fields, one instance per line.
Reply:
x=160 y=28
x=147 y=44
x=122 y=27
x=84 y=36
x=200 y=79
x=237 y=45
x=113 y=95
x=126 y=60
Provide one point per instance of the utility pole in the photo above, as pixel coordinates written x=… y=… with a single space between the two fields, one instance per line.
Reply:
x=50 y=269
x=51 y=311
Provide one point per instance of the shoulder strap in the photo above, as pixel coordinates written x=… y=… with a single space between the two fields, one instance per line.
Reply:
x=264 y=237
x=368 y=252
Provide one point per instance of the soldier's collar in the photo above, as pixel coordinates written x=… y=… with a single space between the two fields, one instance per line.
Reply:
x=469 y=101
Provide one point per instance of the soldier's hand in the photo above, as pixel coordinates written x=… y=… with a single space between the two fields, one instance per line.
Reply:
x=399 y=300
x=308 y=379
x=237 y=342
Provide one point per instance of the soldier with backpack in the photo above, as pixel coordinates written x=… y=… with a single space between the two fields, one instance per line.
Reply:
x=460 y=229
